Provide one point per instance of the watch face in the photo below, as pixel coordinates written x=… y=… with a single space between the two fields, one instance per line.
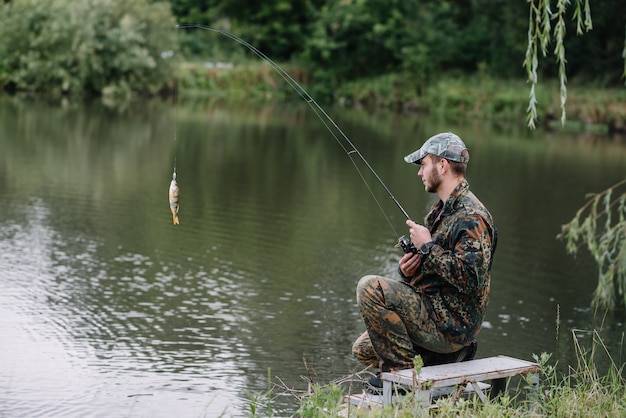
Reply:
x=425 y=248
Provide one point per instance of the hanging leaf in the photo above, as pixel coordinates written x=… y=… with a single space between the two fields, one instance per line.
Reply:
x=600 y=224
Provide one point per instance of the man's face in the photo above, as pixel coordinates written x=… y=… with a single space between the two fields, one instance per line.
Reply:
x=429 y=172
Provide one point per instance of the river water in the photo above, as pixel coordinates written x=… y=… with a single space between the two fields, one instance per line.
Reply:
x=108 y=309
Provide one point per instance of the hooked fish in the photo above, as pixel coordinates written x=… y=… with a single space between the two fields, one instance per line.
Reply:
x=173 y=194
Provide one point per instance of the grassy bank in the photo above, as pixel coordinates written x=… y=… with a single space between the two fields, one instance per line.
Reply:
x=582 y=391
x=473 y=97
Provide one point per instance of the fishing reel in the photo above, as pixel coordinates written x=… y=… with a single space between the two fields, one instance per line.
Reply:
x=406 y=245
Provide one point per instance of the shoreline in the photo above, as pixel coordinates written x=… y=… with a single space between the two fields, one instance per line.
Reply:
x=595 y=109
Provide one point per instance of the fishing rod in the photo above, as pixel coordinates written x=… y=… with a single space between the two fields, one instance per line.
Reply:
x=347 y=145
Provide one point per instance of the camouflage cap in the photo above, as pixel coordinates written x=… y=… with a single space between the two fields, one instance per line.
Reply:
x=446 y=145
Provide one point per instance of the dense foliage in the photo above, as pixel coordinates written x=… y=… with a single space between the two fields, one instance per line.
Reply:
x=113 y=44
x=359 y=38
x=373 y=37
x=277 y=27
x=109 y=47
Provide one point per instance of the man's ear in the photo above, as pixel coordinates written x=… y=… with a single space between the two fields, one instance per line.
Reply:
x=445 y=165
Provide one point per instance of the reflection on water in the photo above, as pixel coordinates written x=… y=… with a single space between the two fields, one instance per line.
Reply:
x=106 y=306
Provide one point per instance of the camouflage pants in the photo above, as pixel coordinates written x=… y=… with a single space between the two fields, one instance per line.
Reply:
x=398 y=324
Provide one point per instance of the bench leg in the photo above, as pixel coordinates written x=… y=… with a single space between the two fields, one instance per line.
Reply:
x=387 y=388
x=423 y=397
x=534 y=383
x=533 y=391
x=479 y=391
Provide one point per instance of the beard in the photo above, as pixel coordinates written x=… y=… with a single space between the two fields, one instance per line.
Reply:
x=433 y=182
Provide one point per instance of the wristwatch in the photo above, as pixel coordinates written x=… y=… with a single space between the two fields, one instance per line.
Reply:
x=425 y=248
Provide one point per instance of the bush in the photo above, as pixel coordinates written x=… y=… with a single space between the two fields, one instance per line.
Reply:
x=109 y=47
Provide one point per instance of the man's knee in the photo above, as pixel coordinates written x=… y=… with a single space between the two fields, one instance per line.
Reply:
x=363 y=351
x=366 y=286
x=359 y=349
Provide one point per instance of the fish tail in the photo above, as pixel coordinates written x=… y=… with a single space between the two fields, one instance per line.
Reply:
x=175 y=220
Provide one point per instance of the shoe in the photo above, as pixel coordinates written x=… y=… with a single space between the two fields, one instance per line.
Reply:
x=375 y=381
x=374 y=385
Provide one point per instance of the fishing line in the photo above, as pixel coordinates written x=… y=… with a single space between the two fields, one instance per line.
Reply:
x=175 y=121
x=173 y=193
x=347 y=145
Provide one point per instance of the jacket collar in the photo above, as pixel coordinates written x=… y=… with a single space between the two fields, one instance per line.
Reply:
x=444 y=208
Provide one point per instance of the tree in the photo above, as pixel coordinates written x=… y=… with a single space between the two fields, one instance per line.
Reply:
x=276 y=27
x=370 y=38
x=600 y=224
x=104 y=47
x=416 y=39
x=546 y=26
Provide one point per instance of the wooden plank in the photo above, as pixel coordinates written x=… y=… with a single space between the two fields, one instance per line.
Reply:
x=456 y=373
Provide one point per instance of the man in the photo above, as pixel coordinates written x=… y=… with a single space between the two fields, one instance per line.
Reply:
x=439 y=304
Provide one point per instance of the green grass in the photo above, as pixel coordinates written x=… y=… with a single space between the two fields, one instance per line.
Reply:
x=474 y=97
x=582 y=391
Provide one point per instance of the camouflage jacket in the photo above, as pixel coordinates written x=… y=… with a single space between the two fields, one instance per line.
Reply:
x=455 y=276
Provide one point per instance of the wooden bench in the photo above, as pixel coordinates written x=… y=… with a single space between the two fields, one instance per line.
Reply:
x=445 y=379
x=431 y=378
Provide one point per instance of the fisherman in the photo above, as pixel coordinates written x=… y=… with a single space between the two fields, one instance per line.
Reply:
x=437 y=308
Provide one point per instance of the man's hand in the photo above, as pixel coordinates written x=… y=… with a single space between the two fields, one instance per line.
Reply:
x=419 y=233
x=409 y=264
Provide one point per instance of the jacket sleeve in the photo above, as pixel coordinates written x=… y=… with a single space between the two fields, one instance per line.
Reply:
x=467 y=264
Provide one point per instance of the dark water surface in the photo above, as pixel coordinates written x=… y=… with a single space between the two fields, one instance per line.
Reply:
x=107 y=309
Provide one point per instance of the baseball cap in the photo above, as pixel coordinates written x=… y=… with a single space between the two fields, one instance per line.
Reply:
x=446 y=145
